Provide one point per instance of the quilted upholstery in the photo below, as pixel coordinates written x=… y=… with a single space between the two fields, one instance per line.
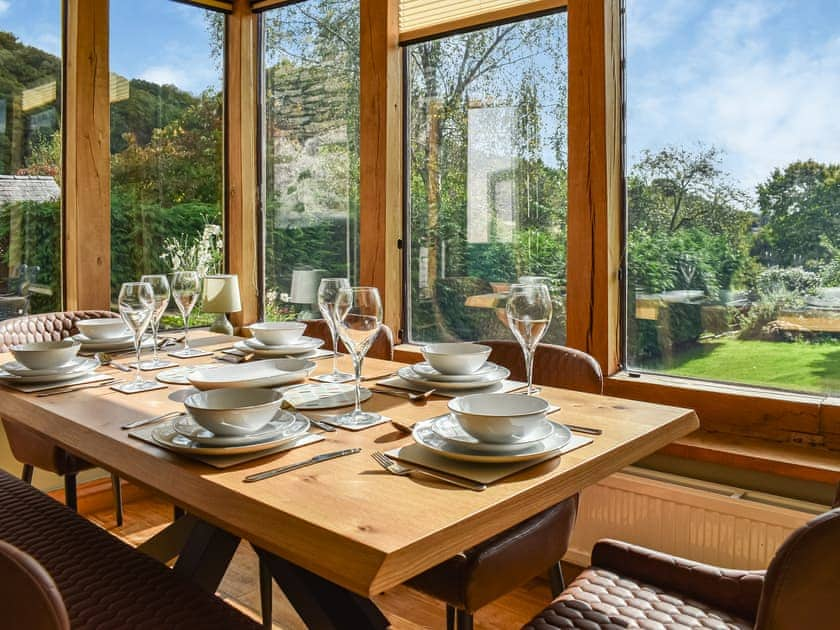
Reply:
x=602 y=599
x=105 y=584
x=27 y=446
x=29 y=597
x=44 y=327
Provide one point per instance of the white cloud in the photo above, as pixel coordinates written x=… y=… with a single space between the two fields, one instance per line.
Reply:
x=4 y=6
x=764 y=100
x=164 y=75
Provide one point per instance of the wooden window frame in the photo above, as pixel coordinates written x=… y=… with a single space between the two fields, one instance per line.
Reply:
x=596 y=204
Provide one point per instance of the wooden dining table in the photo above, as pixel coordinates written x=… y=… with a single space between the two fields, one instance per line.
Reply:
x=338 y=532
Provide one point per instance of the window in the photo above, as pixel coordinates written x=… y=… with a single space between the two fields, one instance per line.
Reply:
x=733 y=192
x=486 y=185
x=311 y=151
x=30 y=157
x=166 y=139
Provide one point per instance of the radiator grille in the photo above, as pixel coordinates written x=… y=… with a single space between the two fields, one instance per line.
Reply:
x=704 y=522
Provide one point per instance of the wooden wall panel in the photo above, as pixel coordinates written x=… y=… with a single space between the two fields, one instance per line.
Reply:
x=241 y=168
x=86 y=164
x=380 y=186
x=595 y=181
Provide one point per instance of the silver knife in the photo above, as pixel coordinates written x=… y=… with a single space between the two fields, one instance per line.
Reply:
x=312 y=460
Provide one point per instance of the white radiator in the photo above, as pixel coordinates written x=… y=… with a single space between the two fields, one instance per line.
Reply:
x=703 y=521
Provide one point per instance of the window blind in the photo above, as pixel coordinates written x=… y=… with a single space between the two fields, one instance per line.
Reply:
x=421 y=19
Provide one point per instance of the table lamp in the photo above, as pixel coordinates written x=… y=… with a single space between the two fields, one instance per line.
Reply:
x=221 y=296
x=305 y=290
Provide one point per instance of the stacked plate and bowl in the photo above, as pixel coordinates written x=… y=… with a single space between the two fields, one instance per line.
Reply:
x=454 y=366
x=274 y=339
x=106 y=334
x=482 y=427
x=46 y=362
x=231 y=421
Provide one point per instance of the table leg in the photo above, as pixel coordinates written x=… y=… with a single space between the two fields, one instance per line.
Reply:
x=206 y=555
x=320 y=603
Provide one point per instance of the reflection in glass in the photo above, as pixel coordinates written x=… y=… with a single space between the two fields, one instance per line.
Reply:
x=30 y=158
x=311 y=148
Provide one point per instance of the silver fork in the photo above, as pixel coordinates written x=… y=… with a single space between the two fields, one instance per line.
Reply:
x=403 y=471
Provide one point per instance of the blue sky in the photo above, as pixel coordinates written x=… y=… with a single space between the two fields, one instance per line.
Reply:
x=758 y=79
x=157 y=40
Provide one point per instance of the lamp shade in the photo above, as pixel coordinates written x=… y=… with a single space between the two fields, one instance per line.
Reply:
x=305 y=285
x=221 y=294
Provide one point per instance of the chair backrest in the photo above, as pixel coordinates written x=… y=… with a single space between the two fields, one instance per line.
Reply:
x=382 y=348
x=802 y=583
x=44 y=327
x=28 y=598
x=554 y=366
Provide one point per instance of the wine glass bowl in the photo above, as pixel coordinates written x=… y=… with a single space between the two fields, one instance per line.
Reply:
x=358 y=318
x=137 y=307
x=328 y=292
x=529 y=310
x=160 y=292
x=186 y=287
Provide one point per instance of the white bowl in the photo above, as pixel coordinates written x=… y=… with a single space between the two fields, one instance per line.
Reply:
x=456 y=358
x=45 y=355
x=498 y=418
x=103 y=328
x=234 y=411
x=277 y=333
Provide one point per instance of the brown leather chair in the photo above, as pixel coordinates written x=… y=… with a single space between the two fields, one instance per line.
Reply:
x=29 y=447
x=487 y=571
x=382 y=348
x=29 y=597
x=630 y=586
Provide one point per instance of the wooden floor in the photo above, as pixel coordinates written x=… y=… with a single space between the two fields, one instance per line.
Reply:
x=405 y=608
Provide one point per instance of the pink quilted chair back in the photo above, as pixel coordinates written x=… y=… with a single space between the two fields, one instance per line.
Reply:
x=44 y=327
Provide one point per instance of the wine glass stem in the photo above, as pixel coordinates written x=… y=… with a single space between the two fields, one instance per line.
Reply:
x=529 y=370
x=357 y=365
x=334 y=331
x=186 y=318
x=155 y=340
x=138 y=377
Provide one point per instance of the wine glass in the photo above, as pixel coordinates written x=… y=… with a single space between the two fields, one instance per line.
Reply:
x=160 y=290
x=528 y=314
x=358 y=317
x=327 y=295
x=185 y=289
x=137 y=307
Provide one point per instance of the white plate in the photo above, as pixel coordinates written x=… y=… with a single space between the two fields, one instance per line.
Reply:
x=77 y=365
x=427 y=438
x=110 y=345
x=178 y=375
x=324 y=395
x=306 y=345
x=408 y=374
x=167 y=436
x=284 y=424
x=267 y=373
x=52 y=378
x=488 y=371
x=83 y=338
x=451 y=430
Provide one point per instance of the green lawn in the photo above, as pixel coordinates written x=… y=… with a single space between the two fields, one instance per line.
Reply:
x=798 y=366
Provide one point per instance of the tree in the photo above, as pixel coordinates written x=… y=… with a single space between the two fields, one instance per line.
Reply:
x=799 y=206
x=676 y=188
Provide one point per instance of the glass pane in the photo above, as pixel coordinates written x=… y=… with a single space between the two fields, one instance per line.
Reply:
x=311 y=151
x=166 y=141
x=733 y=188
x=30 y=157
x=487 y=176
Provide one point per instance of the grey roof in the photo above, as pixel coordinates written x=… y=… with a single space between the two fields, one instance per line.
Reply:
x=28 y=188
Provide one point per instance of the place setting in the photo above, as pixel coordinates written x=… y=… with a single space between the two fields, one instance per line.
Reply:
x=279 y=339
x=50 y=365
x=228 y=426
